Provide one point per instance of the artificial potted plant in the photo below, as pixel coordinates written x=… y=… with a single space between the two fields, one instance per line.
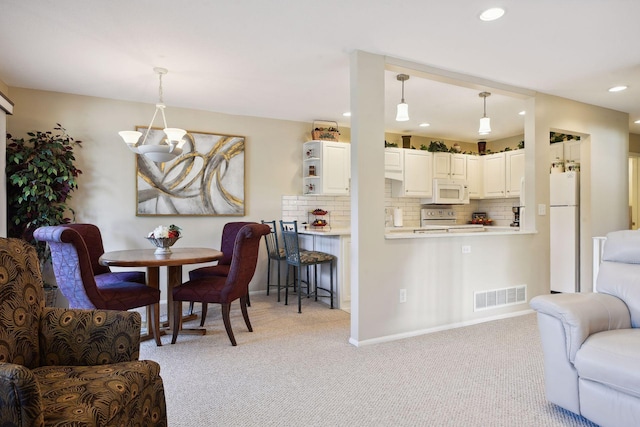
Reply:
x=41 y=175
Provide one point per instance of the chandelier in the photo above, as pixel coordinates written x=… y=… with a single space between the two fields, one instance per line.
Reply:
x=170 y=147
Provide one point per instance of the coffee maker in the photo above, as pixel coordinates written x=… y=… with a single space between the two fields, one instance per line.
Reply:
x=516 y=216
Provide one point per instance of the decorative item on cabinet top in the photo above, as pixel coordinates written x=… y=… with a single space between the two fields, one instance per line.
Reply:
x=325 y=130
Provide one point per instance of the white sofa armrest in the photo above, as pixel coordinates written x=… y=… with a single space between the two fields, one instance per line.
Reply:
x=583 y=315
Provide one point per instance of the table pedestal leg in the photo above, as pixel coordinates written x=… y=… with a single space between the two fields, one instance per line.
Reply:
x=174 y=279
x=153 y=280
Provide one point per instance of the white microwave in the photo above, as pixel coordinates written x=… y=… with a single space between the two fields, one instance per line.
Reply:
x=448 y=192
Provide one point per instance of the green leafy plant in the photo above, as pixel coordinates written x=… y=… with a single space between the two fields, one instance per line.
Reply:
x=40 y=178
x=438 y=146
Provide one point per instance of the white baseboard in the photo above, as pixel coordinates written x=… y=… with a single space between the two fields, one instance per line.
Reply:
x=419 y=332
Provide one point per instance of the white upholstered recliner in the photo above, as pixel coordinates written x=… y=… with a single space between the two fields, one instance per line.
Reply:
x=591 y=341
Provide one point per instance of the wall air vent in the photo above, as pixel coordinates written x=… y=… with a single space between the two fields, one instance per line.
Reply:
x=494 y=298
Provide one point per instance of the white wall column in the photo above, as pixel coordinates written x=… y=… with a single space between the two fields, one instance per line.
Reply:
x=367 y=182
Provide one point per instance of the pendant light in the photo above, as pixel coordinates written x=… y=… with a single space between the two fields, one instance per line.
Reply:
x=170 y=147
x=402 y=114
x=485 y=122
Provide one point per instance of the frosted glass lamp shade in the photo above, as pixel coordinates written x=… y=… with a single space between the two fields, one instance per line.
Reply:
x=159 y=153
x=131 y=138
x=485 y=126
x=403 y=112
x=174 y=134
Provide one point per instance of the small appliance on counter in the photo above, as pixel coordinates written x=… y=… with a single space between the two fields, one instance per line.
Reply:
x=516 y=216
x=481 y=218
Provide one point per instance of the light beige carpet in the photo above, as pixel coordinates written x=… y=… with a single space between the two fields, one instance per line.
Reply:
x=299 y=370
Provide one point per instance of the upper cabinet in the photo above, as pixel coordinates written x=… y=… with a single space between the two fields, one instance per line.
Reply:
x=326 y=168
x=475 y=174
x=417 y=175
x=514 y=172
x=449 y=165
x=503 y=174
x=567 y=151
x=494 y=175
x=393 y=163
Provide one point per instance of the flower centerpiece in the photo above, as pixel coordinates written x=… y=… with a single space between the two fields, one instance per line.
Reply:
x=164 y=237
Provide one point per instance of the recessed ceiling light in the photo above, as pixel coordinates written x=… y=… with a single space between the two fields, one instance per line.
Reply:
x=492 y=14
x=522 y=113
x=347 y=114
x=637 y=122
x=424 y=125
x=617 y=88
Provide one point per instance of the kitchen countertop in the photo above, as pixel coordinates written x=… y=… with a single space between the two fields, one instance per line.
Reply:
x=392 y=233
x=331 y=231
x=407 y=233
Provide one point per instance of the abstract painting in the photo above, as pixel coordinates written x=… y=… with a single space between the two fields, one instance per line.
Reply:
x=207 y=179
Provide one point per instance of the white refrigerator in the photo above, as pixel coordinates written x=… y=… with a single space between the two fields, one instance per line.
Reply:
x=564 y=216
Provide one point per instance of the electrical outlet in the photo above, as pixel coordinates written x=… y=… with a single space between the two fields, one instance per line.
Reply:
x=403 y=295
x=466 y=249
x=542 y=209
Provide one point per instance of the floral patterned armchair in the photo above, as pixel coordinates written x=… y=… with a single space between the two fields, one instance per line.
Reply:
x=68 y=366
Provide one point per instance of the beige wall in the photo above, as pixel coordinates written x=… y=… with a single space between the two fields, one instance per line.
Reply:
x=106 y=194
x=634 y=143
x=439 y=280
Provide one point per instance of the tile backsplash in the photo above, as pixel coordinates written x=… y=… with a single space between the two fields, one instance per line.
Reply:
x=339 y=207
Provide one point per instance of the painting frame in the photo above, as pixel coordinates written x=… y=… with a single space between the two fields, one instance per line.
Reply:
x=206 y=179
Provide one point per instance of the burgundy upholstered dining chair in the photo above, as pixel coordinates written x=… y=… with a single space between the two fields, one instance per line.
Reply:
x=221 y=269
x=76 y=280
x=224 y=290
x=102 y=273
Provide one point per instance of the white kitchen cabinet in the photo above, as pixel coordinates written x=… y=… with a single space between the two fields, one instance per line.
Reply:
x=449 y=165
x=344 y=273
x=441 y=165
x=475 y=176
x=458 y=166
x=556 y=152
x=393 y=163
x=571 y=150
x=340 y=246
x=567 y=151
x=514 y=172
x=326 y=168
x=417 y=176
x=494 y=175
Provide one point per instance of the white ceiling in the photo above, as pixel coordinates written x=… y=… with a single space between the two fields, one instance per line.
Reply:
x=290 y=59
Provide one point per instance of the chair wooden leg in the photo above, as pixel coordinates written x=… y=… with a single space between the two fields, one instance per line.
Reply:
x=248 y=300
x=226 y=309
x=154 y=323
x=203 y=315
x=177 y=320
x=191 y=308
x=245 y=314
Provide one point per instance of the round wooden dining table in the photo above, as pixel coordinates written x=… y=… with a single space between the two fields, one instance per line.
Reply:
x=173 y=261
